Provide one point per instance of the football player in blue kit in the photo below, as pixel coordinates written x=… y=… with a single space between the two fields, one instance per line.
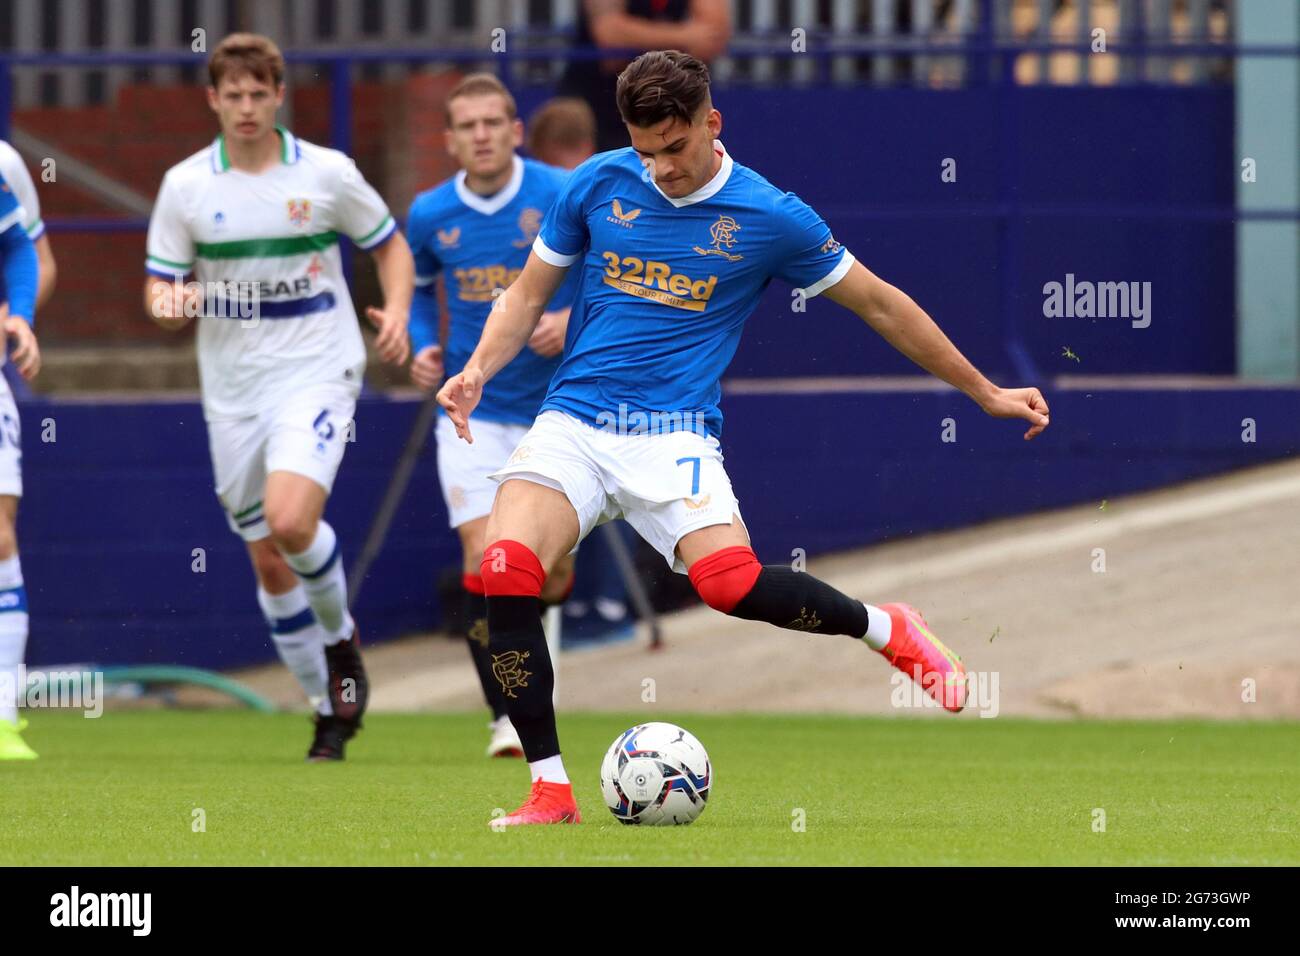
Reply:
x=476 y=230
x=675 y=242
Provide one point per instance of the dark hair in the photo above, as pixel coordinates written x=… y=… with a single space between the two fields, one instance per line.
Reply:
x=480 y=84
x=662 y=84
x=249 y=53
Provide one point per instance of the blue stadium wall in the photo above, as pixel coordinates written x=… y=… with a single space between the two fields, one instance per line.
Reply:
x=1049 y=181
x=1109 y=184
x=116 y=505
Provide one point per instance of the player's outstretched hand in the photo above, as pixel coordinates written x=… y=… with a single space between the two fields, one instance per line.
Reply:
x=459 y=395
x=548 y=338
x=426 y=367
x=392 y=343
x=26 y=353
x=1026 y=403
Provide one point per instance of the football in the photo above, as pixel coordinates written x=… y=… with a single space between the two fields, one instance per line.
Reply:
x=656 y=774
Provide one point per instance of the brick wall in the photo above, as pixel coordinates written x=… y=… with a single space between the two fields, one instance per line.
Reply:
x=397 y=143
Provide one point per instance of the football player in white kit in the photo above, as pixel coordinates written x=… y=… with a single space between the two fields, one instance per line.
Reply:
x=29 y=270
x=255 y=220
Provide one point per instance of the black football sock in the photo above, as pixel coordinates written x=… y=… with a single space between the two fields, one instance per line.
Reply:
x=477 y=639
x=798 y=601
x=521 y=668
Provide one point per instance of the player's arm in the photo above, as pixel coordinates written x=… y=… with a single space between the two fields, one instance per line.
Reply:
x=509 y=325
x=17 y=176
x=426 y=365
x=20 y=267
x=169 y=259
x=547 y=339
x=396 y=271
x=704 y=33
x=47 y=269
x=906 y=326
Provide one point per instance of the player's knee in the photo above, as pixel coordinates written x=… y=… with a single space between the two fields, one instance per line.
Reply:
x=511 y=569
x=293 y=531
x=8 y=540
x=724 y=577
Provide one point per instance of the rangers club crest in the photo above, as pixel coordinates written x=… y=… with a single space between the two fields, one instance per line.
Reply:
x=508 y=669
x=723 y=233
x=299 y=212
x=530 y=224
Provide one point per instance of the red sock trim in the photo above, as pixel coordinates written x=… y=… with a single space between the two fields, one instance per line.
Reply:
x=511 y=569
x=724 y=577
x=473 y=583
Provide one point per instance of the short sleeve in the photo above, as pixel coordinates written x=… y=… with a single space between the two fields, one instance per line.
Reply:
x=419 y=233
x=170 y=247
x=806 y=254
x=564 y=227
x=361 y=214
x=15 y=173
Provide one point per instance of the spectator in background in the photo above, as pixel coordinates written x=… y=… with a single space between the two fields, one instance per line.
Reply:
x=562 y=132
x=699 y=27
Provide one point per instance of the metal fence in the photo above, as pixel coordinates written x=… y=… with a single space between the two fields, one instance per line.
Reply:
x=881 y=41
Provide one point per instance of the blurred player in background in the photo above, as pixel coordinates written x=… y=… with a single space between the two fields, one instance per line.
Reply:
x=673 y=263
x=20 y=264
x=475 y=230
x=263 y=209
x=15 y=174
x=562 y=132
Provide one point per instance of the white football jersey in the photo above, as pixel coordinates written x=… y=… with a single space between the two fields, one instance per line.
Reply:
x=16 y=176
x=275 y=235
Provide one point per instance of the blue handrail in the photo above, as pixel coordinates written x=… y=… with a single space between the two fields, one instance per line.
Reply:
x=820 y=46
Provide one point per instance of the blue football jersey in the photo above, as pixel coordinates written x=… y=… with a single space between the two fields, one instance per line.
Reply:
x=667 y=285
x=480 y=244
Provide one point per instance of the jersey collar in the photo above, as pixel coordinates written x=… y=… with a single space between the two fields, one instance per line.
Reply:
x=488 y=205
x=290 y=151
x=708 y=189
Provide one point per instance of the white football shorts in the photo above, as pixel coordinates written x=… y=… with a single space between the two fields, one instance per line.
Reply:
x=665 y=485
x=305 y=434
x=11 y=449
x=464 y=469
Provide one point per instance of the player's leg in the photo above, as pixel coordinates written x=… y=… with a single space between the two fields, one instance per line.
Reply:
x=559 y=582
x=555 y=590
x=504 y=741
x=294 y=508
x=468 y=492
x=239 y=462
x=551 y=496
x=675 y=492
x=298 y=638
x=531 y=528
x=13 y=632
x=306 y=437
x=729 y=578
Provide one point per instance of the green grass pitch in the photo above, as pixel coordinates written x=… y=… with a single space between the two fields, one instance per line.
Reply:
x=416 y=790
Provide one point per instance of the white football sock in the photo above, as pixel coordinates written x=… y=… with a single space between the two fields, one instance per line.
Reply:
x=300 y=642
x=550 y=769
x=879 y=625
x=13 y=637
x=320 y=568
